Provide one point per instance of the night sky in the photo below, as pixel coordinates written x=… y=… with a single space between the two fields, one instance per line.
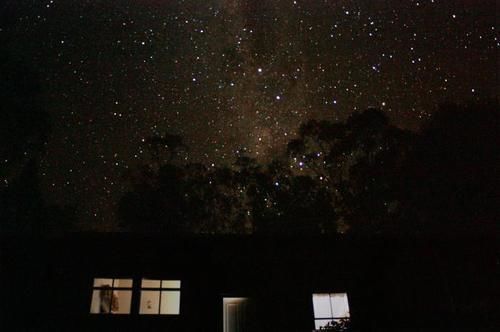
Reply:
x=232 y=76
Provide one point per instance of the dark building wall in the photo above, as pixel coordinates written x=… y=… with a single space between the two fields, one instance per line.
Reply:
x=398 y=285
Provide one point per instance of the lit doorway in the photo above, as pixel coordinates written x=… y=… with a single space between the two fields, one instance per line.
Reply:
x=234 y=313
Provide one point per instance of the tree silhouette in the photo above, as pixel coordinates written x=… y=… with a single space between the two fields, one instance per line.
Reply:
x=21 y=202
x=24 y=127
x=24 y=123
x=156 y=204
x=451 y=180
x=363 y=175
x=24 y=209
x=358 y=163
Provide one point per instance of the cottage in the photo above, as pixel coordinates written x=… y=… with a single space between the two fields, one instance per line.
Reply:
x=123 y=282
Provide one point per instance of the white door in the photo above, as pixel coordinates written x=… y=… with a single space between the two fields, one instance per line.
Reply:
x=234 y=309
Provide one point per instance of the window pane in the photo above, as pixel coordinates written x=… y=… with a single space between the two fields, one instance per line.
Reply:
x=100 y=282
x=171 y=284
x=170 y=302
x=123 y=283
x=321 y=306
x=150 y=302
x=121 y=302
x=150 y=283
x=319 y=323
x=104 y=301
x=95 y=304
x=340 y=305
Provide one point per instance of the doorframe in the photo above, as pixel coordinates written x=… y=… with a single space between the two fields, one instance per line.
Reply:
x=234 y=299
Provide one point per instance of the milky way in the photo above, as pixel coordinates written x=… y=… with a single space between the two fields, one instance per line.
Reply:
x=233 y=75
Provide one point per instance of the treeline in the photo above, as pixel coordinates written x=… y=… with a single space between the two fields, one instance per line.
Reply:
x=363 y=175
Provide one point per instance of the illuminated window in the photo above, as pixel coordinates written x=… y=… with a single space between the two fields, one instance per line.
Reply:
x=329 y=308
x=111 y=296
x=160 y=297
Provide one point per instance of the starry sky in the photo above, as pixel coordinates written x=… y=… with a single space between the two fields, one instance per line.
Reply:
x=233 y=75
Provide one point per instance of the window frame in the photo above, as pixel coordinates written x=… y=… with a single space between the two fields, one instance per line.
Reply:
x=160 y=290
x=112 y=289
x=332 y=318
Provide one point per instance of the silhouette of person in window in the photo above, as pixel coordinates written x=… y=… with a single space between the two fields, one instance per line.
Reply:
x=109 y=300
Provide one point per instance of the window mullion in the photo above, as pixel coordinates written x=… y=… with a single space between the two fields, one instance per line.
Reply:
x=159 y=300
x=331 y=307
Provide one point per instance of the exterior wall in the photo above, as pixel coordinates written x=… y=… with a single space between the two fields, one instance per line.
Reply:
x=46 y=284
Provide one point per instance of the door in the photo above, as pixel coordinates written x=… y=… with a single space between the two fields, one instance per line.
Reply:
x=234 y=314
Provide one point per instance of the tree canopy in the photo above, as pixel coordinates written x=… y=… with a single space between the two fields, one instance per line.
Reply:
x=363 y=175
x=24 y=127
